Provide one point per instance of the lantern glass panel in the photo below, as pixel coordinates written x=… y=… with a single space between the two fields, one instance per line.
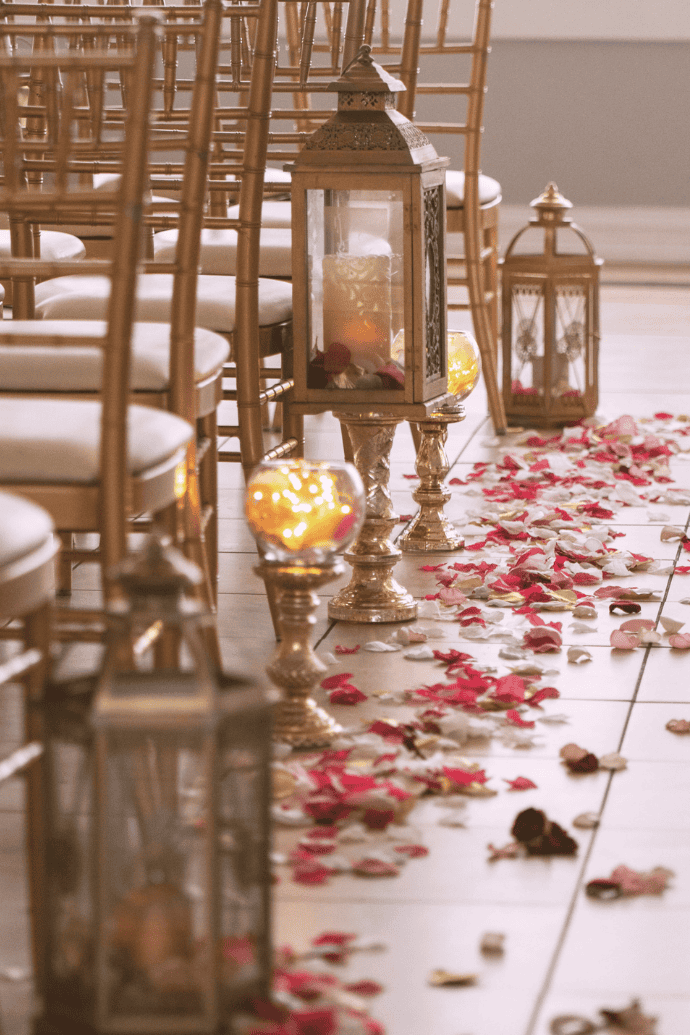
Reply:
x=356 y=289
x=70 y=975
x=527 y=353
x=154 y=888
x=242 y=795
x=571 y=338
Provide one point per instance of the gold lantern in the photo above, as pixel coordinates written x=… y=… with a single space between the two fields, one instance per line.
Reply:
x=368 y=245
x=156 y=806
x=369 y=302
x=550 y=320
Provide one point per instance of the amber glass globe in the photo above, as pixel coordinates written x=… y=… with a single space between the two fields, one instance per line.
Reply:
x=303 y=511
x=463 y=364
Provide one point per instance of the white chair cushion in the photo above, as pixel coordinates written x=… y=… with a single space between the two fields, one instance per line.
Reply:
x=85 y=298
x=55 y=246
x=273 y=175
x=23 y=527
x=273 y=213
x=489 y=189
x=219 y=251
x=75 y=368
x=56 y=440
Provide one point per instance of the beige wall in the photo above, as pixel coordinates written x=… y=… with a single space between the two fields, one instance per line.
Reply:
x=609 y=121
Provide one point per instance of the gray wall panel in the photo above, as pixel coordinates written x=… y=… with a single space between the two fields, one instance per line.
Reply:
x=609 y=121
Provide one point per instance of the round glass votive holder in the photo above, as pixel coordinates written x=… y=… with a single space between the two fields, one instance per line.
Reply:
x=463 y=364
x=303 y=511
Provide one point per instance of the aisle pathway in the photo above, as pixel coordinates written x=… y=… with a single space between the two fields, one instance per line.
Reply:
x=564 y=952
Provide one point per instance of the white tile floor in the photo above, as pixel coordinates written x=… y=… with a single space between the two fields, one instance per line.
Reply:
x=564 y=952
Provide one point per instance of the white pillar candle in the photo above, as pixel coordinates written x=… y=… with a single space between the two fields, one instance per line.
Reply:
x=357 y=308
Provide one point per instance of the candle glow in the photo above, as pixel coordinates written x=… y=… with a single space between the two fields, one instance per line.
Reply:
x=304 y=508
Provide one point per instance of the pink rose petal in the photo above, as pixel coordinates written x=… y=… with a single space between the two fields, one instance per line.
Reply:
x=679 y=641
x=635 y=625
x=625 y=641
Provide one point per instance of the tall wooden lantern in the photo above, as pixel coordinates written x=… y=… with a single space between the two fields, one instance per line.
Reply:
x=156 y=810
x=550 y=320
x=369 y=298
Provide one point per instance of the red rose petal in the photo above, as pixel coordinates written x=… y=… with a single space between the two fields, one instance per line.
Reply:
x=347 y=695
x=413 y=851
x=514 y=719
x=332 y=682
x=311 y=873
x=520 y=783
x=375 y=868
x=364 y=988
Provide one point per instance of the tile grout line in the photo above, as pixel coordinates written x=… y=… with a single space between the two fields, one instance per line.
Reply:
x=545 y=988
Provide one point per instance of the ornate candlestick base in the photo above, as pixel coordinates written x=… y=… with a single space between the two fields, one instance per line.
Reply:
x=295 y=668
x=431 y=532
x=372 y=594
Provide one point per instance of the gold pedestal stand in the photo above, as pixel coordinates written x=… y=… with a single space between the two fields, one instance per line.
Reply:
x=372 y=594
x=295 y=668
x=431 y=531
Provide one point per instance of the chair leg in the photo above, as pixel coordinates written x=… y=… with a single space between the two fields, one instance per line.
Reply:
x=482 y=326
x=493 y=274
x=63 y=574
x=37 y=627
x=208 y=489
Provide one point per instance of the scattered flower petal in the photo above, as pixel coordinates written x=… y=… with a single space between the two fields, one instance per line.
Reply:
x=624 y=641
x=578 y=655
x=613 y=761
x=679 y=641
x=671 y=625
x=520 y=783
x=586 y=821
x=678 y=726
x=492 y=943
x=440 y=978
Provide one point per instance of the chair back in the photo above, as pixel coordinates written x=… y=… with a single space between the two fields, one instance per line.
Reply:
x=417 y=46
x=67 y=137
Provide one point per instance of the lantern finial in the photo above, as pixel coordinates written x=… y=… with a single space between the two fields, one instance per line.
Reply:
x=158 y=573
x=551 y=206
x=364 y=74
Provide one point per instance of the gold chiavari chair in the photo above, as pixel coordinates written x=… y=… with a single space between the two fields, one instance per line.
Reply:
x=472 y=199
x=312 y=40
x=50 y=244
x=176 y=364
x=27 y=590
x=252 y=314
x=92 y=463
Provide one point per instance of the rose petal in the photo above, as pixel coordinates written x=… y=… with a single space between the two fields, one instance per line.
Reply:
x=578 y=655
x=678 y=726
x=613 y=761
x=625 y=641
x=347 y=695
x=572 y=752
x=520 y=783
x=375 y=868
x=364 y=988
x=635 y=625
x=671 y=625
x=679 y=641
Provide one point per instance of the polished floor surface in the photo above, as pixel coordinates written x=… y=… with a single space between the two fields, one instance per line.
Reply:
x=564 y=953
